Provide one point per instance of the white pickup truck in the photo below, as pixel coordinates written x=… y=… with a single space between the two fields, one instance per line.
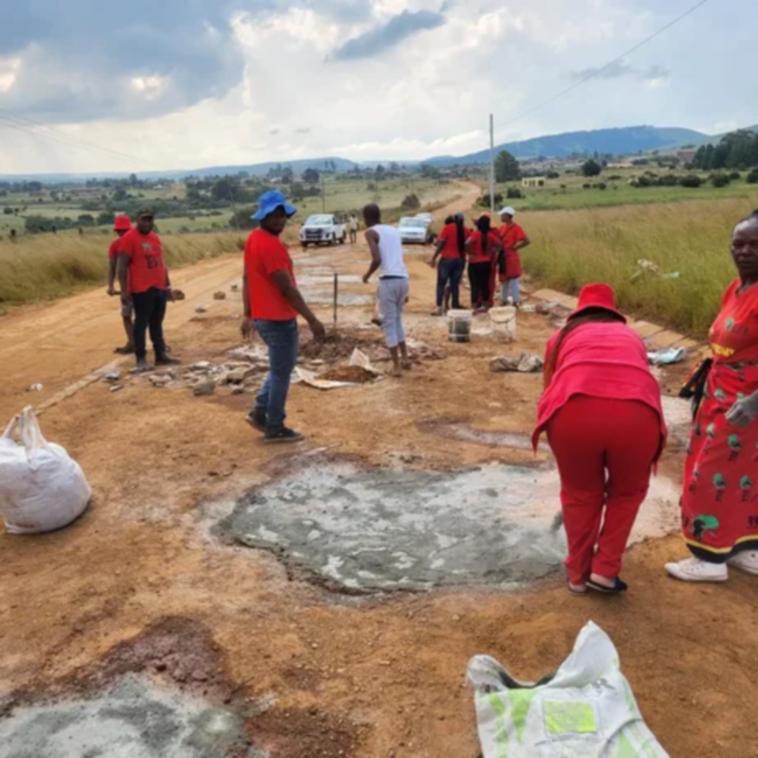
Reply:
x=322 y=229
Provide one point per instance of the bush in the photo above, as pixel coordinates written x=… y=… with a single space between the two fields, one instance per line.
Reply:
x=8 y=211
x=752 y=177
x=586 y=185
x=719 y=180
x=591 y=168
x=484 y=200
x=735 y=175
x=241 y=219
x=552 y=175
x=514 y=192
x=691 y=180
x=600 y=185
x=410 y=202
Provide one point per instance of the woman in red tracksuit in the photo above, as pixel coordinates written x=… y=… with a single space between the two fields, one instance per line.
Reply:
x=483 y=247
x=601 y=408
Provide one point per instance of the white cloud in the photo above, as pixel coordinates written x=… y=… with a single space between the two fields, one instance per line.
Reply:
x=278 y=92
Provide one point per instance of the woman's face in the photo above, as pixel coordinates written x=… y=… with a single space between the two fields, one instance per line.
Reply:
x=745 y=250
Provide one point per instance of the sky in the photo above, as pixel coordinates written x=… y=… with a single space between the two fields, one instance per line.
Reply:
x=95 y=85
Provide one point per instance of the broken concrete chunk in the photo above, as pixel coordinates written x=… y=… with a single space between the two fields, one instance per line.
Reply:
x=112 y=376
x=207 y=387
x=200 y=309
x=35 y=388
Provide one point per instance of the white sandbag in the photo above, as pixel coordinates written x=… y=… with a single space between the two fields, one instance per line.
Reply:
x=585 y=710
x=41 y=487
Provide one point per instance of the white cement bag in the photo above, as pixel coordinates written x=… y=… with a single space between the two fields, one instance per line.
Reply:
x=41 y=487
x=585 y=710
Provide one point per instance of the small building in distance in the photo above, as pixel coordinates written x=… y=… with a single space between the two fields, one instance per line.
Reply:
x=533 y=181
x=686 y=155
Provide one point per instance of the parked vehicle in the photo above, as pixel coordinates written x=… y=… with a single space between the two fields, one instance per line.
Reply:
x=322 y=229
x=415 y=229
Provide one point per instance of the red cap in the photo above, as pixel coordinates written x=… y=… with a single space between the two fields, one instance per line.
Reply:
x=122 y=222
x=597 y=296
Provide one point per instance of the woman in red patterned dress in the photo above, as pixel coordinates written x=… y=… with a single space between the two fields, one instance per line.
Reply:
x=720 y=495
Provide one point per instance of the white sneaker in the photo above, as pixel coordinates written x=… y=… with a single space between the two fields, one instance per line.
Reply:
x=745 y=561
x=695 y=570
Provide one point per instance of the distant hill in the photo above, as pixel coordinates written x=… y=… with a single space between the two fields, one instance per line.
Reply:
x=621 y=141
x=254 y=169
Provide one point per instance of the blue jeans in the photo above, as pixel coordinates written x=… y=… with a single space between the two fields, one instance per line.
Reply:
x=282 y=342
x=449 y=270
x=511 y=288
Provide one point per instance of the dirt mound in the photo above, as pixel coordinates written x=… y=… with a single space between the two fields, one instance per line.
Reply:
x=338 y=346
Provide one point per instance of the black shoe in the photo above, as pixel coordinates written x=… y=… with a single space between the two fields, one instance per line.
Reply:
x=282 y=434
x=257 y=419
x=618 y=586
x=164 y=359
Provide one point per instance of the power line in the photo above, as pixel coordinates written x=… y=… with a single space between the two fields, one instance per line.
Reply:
x=30 y=126
x=596 y=72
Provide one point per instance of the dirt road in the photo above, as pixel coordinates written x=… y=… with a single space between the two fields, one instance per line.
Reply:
x=150 y=582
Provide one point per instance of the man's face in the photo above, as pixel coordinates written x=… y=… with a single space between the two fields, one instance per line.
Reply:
x=120 y=232
x=507 y=218
x=145 y=224
x=275 y=221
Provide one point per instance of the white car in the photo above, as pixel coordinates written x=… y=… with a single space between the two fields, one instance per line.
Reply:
x=415 y=229
x=322 y=229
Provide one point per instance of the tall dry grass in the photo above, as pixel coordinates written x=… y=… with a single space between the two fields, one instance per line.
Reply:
x=46 y=266
x=571 y=248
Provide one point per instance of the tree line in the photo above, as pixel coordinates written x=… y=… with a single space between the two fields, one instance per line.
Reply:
x=735 y=150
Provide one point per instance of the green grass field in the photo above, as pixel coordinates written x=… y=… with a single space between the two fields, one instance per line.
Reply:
x=618 y=191
x=572 y=247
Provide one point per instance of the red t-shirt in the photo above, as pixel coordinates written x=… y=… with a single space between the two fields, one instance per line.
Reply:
x=114 y=247
x=449 y=235
x=266 y=254
x=602 y=359
x=146 y=267
x=510 y=235
x=476 y=254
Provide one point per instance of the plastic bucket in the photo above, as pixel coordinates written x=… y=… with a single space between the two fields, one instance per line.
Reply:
x=504 y=322
x=459 y=325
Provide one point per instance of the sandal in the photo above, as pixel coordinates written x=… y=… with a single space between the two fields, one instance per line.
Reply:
x=618 y=586
x=576 y=589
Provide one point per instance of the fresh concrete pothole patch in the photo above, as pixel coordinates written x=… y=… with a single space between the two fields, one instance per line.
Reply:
x=357 y=529
x=135 y=718
x=371 y=530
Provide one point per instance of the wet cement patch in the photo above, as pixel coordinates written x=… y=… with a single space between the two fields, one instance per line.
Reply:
x=360 y=530
x=133 y=719
x=457 y=429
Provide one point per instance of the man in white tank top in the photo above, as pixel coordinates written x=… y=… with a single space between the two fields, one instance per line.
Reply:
x=387 y=256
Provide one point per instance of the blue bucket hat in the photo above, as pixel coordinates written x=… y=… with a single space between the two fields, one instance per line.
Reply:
x=268 y=202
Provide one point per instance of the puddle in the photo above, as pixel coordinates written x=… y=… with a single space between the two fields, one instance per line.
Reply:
x=133 y=719
x=678 y=414
x=459 y=430
x=361 y=530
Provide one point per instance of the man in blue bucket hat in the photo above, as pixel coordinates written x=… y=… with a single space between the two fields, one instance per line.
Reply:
x=272 y=303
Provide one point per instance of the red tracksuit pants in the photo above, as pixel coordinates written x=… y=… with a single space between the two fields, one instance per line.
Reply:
x=605 y=450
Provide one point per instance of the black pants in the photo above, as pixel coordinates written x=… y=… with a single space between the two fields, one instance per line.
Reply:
x=149 y=310
x=479 y=275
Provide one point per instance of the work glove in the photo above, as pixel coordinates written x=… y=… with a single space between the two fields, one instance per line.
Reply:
x=744 y=411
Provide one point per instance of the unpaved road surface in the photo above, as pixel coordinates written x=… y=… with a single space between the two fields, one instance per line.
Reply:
x=281 y=638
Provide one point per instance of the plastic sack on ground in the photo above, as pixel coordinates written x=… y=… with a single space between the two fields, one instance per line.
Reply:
x=586 y=709
x=41 y=487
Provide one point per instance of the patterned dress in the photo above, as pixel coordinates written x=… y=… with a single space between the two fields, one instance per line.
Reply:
x=720 y=497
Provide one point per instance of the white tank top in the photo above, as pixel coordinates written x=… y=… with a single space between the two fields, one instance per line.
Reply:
x=390 y=251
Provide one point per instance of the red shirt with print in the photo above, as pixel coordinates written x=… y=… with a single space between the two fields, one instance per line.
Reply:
x=476 y=253
x=511 y=235
x=449 y=235
x=265 y=254
x=146 y=267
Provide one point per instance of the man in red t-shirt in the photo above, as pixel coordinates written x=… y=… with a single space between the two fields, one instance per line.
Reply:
x=514 y=239
x=121 y=225
x=272 y=303
x=144 y=281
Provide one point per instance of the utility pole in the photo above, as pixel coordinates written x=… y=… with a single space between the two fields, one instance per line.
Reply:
x=492 y=164
x=323 y=191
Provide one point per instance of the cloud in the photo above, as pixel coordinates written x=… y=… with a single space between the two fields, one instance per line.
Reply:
x=389 y=34
x=85 y=59
x=620 y=69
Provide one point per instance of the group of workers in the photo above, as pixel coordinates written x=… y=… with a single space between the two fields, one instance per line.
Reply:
x=492 y=255
x=600 y=407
